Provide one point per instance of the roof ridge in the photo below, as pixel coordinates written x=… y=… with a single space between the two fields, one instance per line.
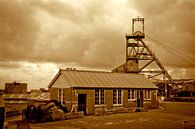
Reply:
x=92 y=71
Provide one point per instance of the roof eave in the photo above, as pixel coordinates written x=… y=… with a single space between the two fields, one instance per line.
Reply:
x=54 y=79
x=94 y=87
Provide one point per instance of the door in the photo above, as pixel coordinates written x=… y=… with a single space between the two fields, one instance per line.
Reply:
x=140 y=98
x=82 y=103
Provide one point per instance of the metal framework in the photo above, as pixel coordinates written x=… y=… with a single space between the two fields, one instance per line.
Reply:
x=137 y=51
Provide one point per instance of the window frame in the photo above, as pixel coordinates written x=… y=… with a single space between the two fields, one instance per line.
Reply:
x=130 y=91
x=61 y=96
x=100 y=96
x=117 y=97
x=147 y=94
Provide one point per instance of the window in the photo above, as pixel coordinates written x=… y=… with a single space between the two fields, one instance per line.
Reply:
x=117 y=97
x=147 y=94
x=99 y=97
x=61 y=96
x=131 y=94
x=114 y=97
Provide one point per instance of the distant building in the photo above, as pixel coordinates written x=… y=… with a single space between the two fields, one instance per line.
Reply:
x=161 y=87
x=38 y=97
x=2 y=91
x=15 y=102
x=187 y=88
x=15 y=88
x=92 y=90
x=15 y=96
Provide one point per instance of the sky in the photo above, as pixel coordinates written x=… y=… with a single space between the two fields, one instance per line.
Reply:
x=37 y=37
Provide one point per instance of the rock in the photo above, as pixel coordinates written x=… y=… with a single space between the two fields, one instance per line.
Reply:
x=115 y=111
x=98 y=112
x=66 y=116
x=121 y=110
x=81 y=114
x=57 y=114
x=47 y=116
x=109 y=112
x=50 y=105
x=127 y=110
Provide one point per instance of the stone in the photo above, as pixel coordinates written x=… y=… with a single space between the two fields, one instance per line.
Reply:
x=66 y=116
x=81 y=114
x=57 y=114
x=127 y=110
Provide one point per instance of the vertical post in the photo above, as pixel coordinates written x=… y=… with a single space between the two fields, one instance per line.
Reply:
x=133 y=27
x=143 y=25
x=126 y=62
x=2 y=111
x=71 y=96
x=165 y=84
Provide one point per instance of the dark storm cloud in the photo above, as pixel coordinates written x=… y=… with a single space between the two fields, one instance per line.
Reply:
x=172 y=23
x=87 y=34
x=38 y=35
x=18 y=30
x=91 y=34
x=83 y=33
x=80 y=12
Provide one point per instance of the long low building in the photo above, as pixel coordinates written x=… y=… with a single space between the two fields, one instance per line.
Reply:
x=90 y=90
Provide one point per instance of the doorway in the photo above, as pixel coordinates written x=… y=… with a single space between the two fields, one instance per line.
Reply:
x=82 y=103
x=140 y=98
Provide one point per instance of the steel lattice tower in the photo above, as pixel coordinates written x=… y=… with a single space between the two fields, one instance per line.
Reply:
x=139 y=57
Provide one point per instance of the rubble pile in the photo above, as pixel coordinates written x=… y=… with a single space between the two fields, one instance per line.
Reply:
x=57 y=114
x=52 y=111
x=104 y=111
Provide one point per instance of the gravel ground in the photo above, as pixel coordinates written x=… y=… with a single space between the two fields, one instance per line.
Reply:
x=149 y=120
x=182 y=108
x=172 y=117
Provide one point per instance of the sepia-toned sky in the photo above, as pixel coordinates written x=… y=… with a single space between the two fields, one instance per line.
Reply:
x=37 y=37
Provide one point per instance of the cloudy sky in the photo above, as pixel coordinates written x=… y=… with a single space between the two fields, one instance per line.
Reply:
x=37 y=37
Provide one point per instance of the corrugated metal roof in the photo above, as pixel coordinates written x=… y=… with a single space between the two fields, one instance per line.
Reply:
x=15 y=101
x=15 y=96
x=39 y=96
x=96 y=79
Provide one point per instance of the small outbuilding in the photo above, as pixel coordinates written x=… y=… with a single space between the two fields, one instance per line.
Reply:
x=187 y=89
x=92 y=90
x=15 y=97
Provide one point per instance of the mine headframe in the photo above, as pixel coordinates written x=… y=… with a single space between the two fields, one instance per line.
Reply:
x=139 y=58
